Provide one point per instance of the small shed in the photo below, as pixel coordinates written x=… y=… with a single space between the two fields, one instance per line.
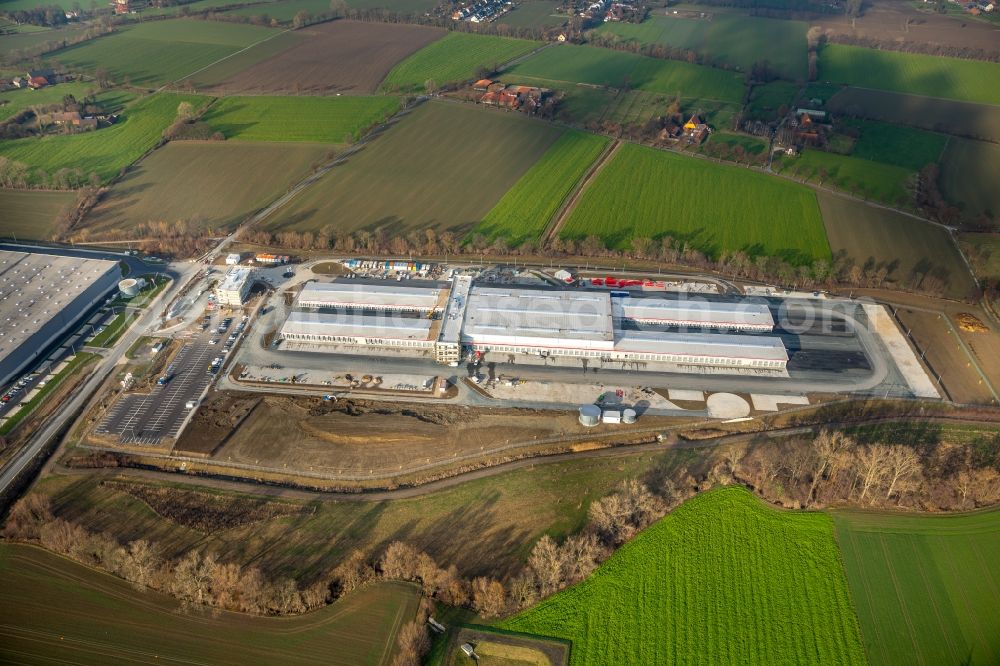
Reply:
x=482 y=84
x=468 y=650
x=612 y=416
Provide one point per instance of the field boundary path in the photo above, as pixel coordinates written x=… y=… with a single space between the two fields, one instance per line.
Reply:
x=224 y=58
x=224 y=482
x=556 y=223
x=507 y=65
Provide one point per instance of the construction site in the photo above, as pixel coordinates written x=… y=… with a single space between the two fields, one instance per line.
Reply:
x=474 y=367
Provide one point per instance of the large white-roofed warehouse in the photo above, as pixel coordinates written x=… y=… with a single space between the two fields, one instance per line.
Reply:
x=739 y=316
x=41 y=297
x=549 y=323
x=390 y=297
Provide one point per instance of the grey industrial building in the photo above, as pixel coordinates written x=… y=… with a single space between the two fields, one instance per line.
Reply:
x=41 y=297
x=546 y=323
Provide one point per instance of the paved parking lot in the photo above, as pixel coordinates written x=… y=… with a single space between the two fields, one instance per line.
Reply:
x=148 y=419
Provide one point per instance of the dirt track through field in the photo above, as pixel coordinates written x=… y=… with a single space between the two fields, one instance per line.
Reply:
x=574 y=198
x=343 y=57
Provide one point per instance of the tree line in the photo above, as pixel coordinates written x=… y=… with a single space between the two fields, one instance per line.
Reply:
x=831 y=467
x=795 y=272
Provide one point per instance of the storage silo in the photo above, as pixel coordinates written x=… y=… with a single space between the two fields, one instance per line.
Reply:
x=131 y=286
x=590 y=415
x=628 y=416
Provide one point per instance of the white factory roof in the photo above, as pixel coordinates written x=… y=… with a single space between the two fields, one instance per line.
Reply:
x=357 y=325
x=34 y=288
x=702 y=344
x=693 y=312
x=454 y=313
x=235 y=278
x=365 y=295
x=511 y=316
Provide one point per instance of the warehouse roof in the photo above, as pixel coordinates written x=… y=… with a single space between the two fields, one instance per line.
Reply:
x=356 y=325
x=502 y=315
x=702 y=344
x=34 y=288
x=351 y=294
x=693 y=312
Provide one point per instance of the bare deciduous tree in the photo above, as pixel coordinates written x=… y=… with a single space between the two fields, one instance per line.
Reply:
x=488 y=596
x=903 y=464
x=545 y=563
x=870 y=469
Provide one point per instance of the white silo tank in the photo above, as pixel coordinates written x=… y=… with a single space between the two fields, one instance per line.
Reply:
x=590 y=415
x=628 y=416
x=129 y=287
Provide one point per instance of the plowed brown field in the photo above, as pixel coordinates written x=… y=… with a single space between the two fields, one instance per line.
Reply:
x=338 y=57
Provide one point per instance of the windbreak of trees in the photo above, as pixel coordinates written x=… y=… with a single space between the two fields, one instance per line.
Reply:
x=829 y=467
x=842 y=270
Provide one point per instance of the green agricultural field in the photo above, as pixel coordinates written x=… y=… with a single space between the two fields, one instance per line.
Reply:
x=535 y=14
x=974 y=121
x=715 y=208
x=55 y=610
x=104 y=151
x=187 y=8
x=202 y=172
x=159 y=52
x=13 y=102
x=767 y=100
x=602 y=67
x=402 y=6
x=901 y=146
x=314 y=119
x=925 y=587
x=722 y=579
x=455 y=57
x=880 y=182
x=31 y=215
x=969 y=173
x=209 y=76
x=934 y=76
x=13 y=47
x=525 y=211
x=585 y=104
x=751 y=145
x=443 y=166
x=284 y=10
x=727 y=39
x=908 y=248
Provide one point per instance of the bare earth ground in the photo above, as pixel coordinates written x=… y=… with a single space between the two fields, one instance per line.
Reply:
x=945 y=356
x=193 y=181
x=337 y=57
x=887 y=20
x=360 y=436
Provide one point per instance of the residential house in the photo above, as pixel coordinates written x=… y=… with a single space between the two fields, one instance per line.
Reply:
x=695 y=130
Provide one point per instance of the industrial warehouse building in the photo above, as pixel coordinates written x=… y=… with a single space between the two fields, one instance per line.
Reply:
x=41 y=297
x=547 y=323
x=390 y=297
